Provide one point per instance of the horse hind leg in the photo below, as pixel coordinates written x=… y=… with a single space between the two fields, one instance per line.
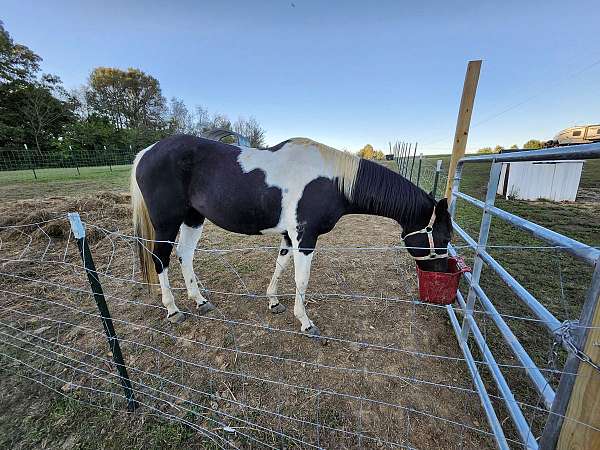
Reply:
x=283 y=258
x=189 y=235
x=161 y=254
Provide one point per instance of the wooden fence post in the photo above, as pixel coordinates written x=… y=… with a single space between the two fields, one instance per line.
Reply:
x=464 y=120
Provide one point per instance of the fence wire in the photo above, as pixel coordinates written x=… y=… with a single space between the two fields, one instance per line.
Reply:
x=391 y=374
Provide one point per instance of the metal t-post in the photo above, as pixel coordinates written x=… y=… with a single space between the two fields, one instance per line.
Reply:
x=74 y=160
x=107 y=158
x=412 y=167
x=113 y=342
x=31 y=159
x=438 y=168
x=406 y=159
x=419 y=169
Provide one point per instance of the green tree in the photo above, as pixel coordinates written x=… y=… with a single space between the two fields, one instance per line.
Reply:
x=180 y=118
x=46 y=108
x=17 y=62
x=128 y=98
x=485 y=150
x=533 y=144
x=252 y=130
x=514 y=147
x=498 y=149
x=33 y=110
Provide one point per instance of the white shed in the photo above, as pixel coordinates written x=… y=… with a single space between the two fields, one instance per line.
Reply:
x=550 y=180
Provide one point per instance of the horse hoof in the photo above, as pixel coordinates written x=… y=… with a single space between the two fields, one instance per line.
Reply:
x=313 y=331
x=205 y=308
x=176 y=317
x=277 y=309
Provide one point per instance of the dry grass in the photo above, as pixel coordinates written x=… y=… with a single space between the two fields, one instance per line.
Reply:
x=239 y=355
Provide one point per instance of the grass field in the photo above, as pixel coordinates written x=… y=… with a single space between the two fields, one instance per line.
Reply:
x=33 y=418
x=22 y=184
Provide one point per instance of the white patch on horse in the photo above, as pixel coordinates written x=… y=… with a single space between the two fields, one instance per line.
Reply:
x=302 y=264
x=283 y=258
x=167 y=296
x=188 y=240
x=292 y=167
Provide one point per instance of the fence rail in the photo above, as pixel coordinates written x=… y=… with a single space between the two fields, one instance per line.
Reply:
x=571 y=335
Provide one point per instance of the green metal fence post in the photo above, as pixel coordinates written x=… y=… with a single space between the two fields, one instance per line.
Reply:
x=92 y=275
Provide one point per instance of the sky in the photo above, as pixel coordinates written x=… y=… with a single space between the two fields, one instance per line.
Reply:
x=342 y=73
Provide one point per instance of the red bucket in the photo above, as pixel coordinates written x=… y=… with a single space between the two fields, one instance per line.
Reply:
x=440 y=287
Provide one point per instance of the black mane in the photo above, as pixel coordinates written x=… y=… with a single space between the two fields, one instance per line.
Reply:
x=381 y=191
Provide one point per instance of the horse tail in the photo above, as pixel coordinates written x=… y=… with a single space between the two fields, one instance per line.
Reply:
x=143 y=230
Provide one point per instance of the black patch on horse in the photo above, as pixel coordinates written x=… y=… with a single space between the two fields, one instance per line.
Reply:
x=320 y=207
x=187 y=178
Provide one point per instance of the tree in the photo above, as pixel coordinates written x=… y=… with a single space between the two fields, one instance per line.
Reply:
x=498 y=149
x=379 y=155
x=17 y=62
x=367 y=152
x=220 y=121
x=514 y=147
x=128 y=98
x=45 y=113
x=485 y=150
x=533 y=144
x=252 y=130
x=32 y=110
x=180 y=120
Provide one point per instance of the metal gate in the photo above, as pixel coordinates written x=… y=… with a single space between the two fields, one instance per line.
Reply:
x=572 y=336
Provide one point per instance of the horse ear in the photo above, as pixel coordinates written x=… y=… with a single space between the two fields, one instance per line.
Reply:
x=441 y=208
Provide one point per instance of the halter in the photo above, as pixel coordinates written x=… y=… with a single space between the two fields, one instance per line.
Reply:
x=428 y=230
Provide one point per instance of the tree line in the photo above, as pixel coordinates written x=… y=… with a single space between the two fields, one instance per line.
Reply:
x=532 y=144
x=115 y=108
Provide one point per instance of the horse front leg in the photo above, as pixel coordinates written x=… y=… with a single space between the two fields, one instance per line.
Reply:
x=283 y=258
x=302 y=262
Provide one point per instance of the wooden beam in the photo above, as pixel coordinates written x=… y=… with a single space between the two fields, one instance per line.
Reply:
x=464 y=120
x=584 y=404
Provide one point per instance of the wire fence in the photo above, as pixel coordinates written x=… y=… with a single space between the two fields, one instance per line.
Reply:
x=422 y=171
x=390 y=376
x=28 y=163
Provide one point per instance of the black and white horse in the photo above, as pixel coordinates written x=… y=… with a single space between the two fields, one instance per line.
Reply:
x=298 y=189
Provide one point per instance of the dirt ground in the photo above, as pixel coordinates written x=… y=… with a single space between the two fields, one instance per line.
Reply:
x=391 y=374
